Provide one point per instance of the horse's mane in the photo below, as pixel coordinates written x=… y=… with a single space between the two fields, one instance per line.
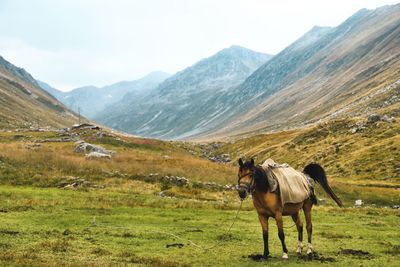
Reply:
x=261 y=180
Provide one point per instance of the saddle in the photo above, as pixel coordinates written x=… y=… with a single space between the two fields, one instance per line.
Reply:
x=293 y=186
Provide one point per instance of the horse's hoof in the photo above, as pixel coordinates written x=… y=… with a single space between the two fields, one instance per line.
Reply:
x=299 y=249
x=259 y=257
x=285 y=256
x=265 y=257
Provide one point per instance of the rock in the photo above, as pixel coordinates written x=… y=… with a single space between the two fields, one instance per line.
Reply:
x=230 y=187
x=176 y=180
x=83 y=147
x=79 y=142
x=75 y=182
x=353 y=130
x=33 y=146
x=386 y=118
x=216 y=145
x=358 y=203
x=98 y=155
x=163 y=193
x=373 y=118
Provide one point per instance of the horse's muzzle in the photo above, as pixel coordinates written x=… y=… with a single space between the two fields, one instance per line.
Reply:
x=243 y=190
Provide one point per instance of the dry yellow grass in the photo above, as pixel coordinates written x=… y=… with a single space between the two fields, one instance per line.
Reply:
x=57 y=160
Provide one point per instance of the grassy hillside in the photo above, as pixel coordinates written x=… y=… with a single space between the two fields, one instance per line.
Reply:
x=361 y=159
x=23 y=104
x=27 y=160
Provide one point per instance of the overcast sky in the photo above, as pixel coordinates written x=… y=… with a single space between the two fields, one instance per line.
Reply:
x=72 y=43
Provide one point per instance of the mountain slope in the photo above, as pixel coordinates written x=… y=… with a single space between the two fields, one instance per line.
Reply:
x=91 y=100
x=318 y=75
x=24 y=104
x=185 y=102
x=51 y=90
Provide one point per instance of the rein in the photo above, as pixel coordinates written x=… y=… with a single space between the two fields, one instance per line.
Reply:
x=250 y=188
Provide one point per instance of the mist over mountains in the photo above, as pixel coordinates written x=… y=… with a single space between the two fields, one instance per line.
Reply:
x=237 y=90
x=91 y=99
x=314 y=77
x=185 y=102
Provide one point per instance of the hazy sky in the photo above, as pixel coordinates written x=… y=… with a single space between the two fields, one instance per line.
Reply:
x=71 y=43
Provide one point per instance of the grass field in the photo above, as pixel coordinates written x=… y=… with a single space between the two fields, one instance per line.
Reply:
x=108 y=227
x=123 y=220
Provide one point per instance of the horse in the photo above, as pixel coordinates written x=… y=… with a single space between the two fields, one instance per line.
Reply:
x=252 y=179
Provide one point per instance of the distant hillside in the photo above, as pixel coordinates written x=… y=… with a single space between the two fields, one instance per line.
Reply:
x=320 y=75
x=24 y=104
x=186 y=102
x=91 y=100
x=51 y=90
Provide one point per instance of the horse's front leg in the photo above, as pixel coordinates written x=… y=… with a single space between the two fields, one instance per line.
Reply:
x=281 y=234
x=264 y=225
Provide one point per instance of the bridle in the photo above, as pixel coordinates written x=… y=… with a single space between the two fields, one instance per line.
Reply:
x=249 y=187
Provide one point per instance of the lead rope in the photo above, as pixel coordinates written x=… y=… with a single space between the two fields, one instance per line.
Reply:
x=94 y=224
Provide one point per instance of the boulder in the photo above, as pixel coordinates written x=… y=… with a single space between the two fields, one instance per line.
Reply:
x=175 y=180
x=373 y=118
x=83 y=147
x=358 y=203
x=386 y=118
x=98 y=155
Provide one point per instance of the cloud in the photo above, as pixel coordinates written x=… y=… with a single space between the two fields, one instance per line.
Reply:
x=73 y=43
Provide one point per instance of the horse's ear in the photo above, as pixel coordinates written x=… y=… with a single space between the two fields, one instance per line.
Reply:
x=252 y=162
x=240 y=162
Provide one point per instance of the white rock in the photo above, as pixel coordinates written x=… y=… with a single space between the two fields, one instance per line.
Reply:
x=97 y=155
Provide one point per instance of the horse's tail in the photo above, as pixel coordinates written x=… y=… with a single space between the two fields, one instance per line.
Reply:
x=317 y=173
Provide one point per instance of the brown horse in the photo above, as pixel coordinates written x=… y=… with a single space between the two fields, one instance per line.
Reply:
x=252 y=179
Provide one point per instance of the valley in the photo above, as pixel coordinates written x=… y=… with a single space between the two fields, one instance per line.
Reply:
x=67 y=209
x=144 y=172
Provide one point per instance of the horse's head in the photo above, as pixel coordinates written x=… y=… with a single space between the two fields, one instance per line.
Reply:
x=246 y=178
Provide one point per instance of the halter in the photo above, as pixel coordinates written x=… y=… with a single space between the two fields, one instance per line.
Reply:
x=250 y=188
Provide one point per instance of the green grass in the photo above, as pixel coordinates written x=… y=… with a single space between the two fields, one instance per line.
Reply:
x=42 y=225
x=55 y=227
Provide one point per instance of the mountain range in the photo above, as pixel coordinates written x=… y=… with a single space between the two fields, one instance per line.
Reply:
x=186 y=102
x=329 y=72
x=321 y=73
x=90 y=100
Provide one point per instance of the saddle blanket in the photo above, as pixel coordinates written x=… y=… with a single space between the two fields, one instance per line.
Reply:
x=293 y=186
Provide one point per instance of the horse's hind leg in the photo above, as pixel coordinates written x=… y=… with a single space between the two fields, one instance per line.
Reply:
x=299 y=226
x=281 y=234
x=307 y=213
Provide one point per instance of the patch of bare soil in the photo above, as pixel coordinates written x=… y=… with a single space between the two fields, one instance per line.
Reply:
x=8 y=232
x=257 y=257
x=178 y=245
x=357 y=253
x=315 y=257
